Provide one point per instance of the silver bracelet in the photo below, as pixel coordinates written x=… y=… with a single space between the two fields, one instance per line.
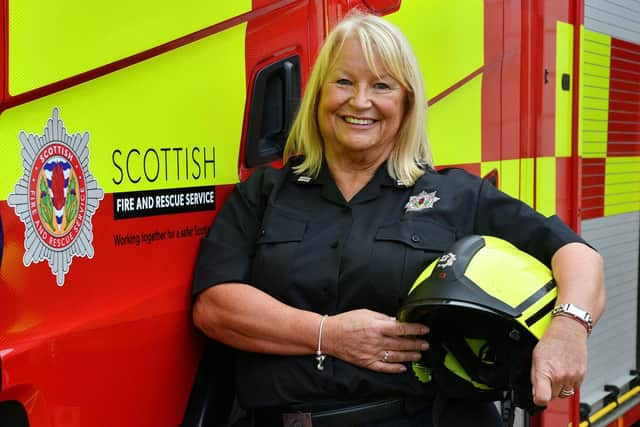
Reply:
x=319 y=356
x=576 y=313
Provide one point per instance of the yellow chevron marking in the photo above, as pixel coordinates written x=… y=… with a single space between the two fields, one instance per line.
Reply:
x=50 y=41
x=622 y=185
x=177 y=108
x=595 y=57
x=546 y=185
x=564 y=64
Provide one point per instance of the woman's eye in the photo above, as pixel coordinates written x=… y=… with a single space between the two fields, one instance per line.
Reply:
x=343 y=82
x=381 y=85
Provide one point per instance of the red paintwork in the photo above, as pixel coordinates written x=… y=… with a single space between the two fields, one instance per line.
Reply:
x=574 y=409
x=624 y=91
x=492 y=102
x=556 y=415
x=631 y=417
x=624 y=123
x=335 y=10
x=592 y=188
x=577 y=14
x=526 y=85
x=549 y=13
x=382 y=7
x=512 y=63
x=119 y=321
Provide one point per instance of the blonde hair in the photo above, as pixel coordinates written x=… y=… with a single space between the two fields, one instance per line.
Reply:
x=379 y=38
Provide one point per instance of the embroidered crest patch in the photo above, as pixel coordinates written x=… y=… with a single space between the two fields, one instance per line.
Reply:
x=422 y=201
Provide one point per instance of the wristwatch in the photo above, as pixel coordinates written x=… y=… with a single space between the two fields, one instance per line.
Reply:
x=576 y=313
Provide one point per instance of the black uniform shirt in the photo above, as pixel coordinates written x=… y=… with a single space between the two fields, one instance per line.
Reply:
x=297 y=239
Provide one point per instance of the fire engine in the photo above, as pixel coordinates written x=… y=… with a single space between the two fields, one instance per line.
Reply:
x=124 y=127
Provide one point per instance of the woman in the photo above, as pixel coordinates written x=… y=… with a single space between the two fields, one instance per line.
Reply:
x=305 y=267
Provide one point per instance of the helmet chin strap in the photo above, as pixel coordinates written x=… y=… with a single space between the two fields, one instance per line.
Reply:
x=476 y=368
x=507 y=409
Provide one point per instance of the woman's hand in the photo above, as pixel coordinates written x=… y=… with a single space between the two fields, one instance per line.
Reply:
x=373 y=340
x=559 y=360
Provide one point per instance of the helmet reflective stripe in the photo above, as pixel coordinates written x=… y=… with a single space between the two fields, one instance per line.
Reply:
x=537 y=308
x=548 y=287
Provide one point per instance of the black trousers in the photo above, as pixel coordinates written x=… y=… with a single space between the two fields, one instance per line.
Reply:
x=454 y=413
x=451 y=413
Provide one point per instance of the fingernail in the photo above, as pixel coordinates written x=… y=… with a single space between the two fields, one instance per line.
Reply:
x=403 y=368
x=424 y=346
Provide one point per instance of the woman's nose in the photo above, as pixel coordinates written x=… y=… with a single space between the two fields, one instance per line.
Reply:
x=361 y=97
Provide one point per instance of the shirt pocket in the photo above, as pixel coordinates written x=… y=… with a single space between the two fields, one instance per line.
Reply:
x=402 y=250
x=276 y=245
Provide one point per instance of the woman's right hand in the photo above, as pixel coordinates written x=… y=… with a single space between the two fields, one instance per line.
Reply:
x=363 y=338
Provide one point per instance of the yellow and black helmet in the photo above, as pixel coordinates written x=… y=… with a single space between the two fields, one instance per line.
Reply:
x=487 y=304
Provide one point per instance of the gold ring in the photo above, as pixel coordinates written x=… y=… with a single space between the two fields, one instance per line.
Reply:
x=568 y=392
x=385 y=357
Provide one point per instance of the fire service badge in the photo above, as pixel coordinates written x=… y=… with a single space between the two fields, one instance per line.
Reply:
x=56 y=197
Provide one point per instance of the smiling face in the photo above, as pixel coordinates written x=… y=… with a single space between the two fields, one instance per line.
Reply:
x=359 y=112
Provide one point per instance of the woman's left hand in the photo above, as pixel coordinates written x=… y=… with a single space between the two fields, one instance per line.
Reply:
x=559 y=360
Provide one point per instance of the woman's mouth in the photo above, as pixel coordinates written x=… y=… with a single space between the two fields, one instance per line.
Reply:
x=357 y=121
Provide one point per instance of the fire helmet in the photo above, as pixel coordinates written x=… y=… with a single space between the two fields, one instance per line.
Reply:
x=487 y=304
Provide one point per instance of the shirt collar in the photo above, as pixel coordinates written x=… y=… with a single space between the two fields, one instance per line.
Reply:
x=380 y=178
x=331 y=192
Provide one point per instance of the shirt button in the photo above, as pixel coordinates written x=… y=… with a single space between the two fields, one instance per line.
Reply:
x=262 y=231
x=334 y=245
x=415 y=238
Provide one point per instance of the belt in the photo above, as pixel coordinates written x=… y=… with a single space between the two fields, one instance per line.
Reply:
x=365 y=413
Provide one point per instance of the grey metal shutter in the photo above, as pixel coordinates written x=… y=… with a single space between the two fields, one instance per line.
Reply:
x=617 y=18
x=612 y=346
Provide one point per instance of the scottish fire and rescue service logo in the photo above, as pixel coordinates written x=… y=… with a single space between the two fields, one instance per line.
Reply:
x=56 y=197
x=446 y=260
x=424 y=200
